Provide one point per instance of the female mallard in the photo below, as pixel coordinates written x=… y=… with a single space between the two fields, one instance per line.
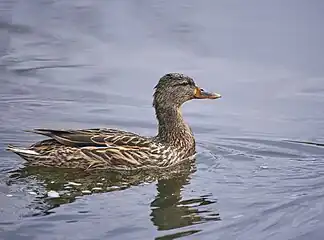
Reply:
x=121 y=150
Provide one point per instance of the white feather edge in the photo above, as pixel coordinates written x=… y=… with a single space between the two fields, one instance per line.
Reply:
x=20 y=150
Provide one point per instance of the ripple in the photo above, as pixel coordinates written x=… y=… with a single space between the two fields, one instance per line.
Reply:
x=31 y=69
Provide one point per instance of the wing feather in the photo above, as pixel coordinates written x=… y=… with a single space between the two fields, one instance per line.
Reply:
x=95 y=137
x=101 y=148
x=112 y=156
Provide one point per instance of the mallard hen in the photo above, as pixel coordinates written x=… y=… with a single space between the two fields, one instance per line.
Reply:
x=121 y=150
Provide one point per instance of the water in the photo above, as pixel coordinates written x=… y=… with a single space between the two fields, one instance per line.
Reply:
x=85 y=64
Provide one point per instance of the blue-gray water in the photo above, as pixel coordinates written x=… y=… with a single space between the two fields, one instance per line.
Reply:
x=85 y=64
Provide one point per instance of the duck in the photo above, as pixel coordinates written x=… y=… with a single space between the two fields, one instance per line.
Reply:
x=106 y=148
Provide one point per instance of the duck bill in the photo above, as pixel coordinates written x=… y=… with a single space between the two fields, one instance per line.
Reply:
x=202 y=94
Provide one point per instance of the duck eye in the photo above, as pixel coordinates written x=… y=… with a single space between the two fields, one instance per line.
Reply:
x=202 y=90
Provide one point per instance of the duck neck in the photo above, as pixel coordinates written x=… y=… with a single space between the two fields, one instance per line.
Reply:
x=172 y=128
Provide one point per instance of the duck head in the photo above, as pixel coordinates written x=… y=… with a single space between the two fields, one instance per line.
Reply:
x=174 y=89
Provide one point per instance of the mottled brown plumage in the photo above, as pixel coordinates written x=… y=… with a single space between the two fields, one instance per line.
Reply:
x=121 y=150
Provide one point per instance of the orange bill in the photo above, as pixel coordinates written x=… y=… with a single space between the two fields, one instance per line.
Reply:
x=200 y=93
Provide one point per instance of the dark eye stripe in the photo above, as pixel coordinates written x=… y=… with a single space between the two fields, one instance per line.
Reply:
x=185 y=83
x=191 y=83
x=182 y=84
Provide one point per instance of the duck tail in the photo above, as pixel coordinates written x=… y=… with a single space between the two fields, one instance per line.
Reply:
x=25 y=153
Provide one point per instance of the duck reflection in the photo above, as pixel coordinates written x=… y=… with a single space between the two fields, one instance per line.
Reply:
x=168 y=210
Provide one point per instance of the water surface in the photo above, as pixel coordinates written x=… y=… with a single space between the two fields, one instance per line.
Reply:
x=83 y=64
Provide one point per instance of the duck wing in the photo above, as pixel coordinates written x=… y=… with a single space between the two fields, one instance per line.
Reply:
x=95 y=137
x=97 y=149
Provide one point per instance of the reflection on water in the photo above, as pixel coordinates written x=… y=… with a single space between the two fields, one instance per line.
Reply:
x=169 y=210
